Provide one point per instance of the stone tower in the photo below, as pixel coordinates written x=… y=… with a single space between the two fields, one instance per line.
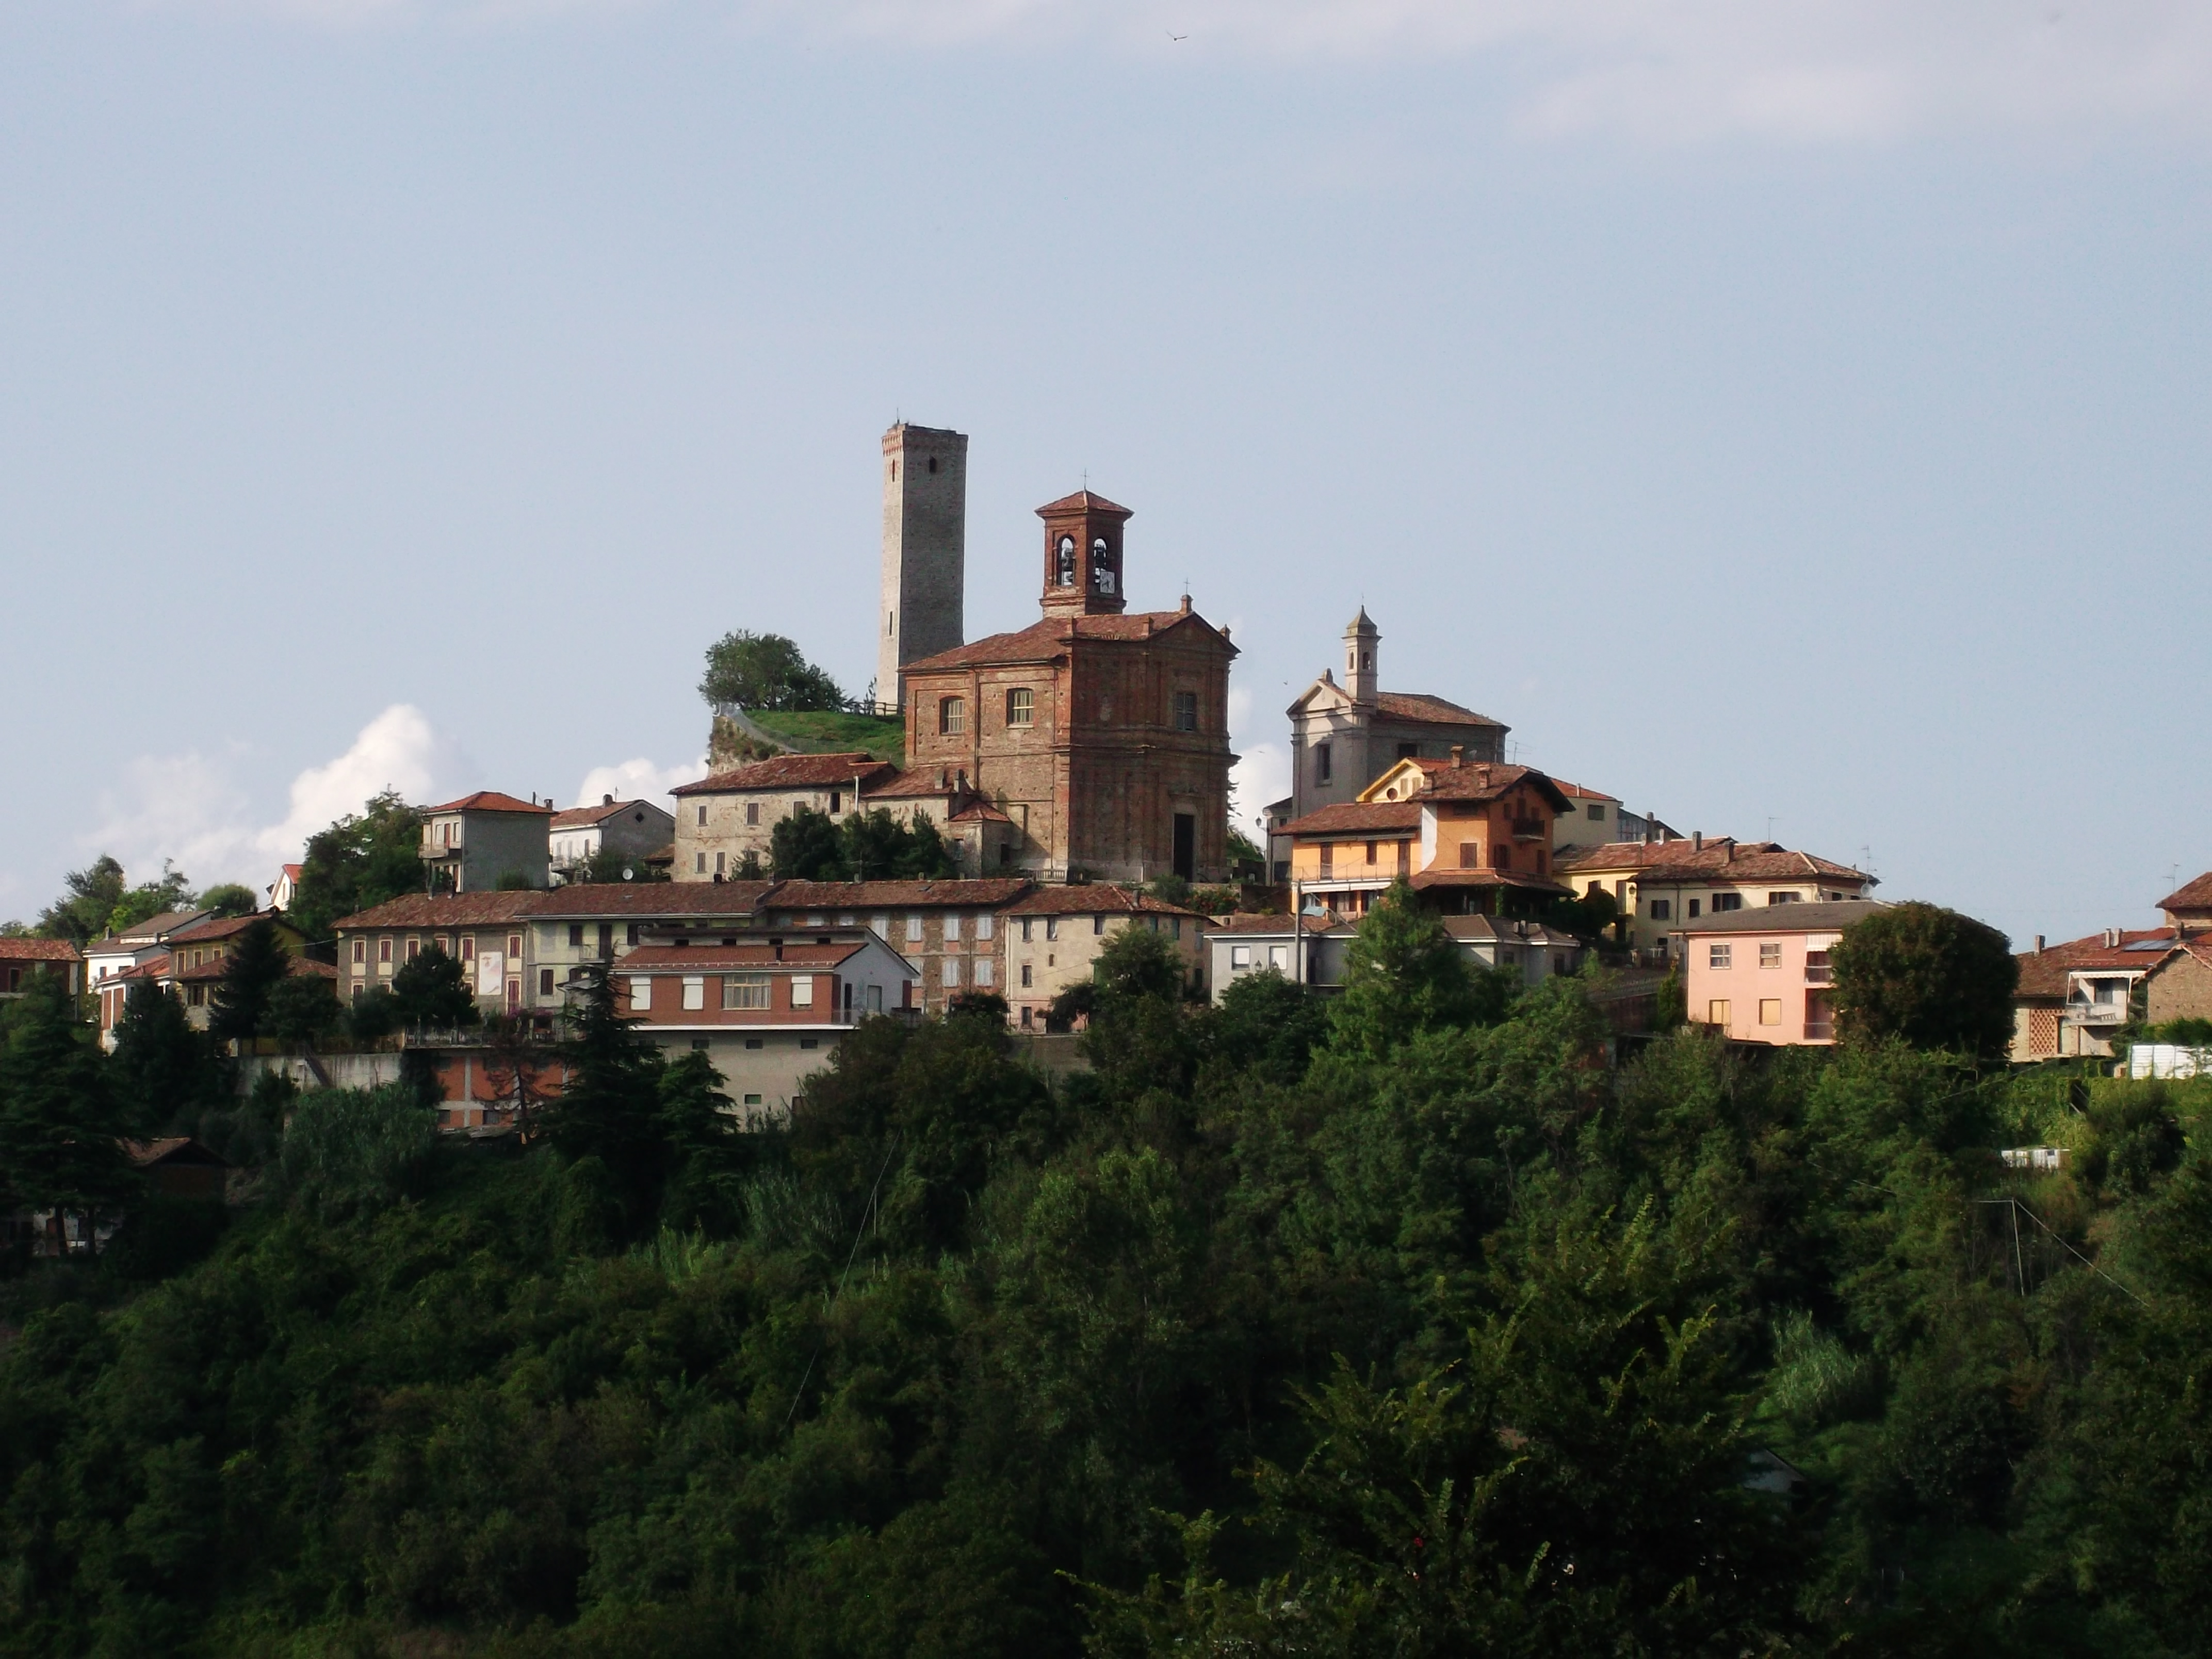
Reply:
x=1362 y=641
x=925 y=551
x=1083 y=555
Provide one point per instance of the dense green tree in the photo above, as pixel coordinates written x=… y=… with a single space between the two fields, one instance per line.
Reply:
x=163 y=1071
x=98 y=901
x=1929 y=975
x=363 y=860
x=765 y=672
x=804 y=845
x=608 y=866
x=230 y=899
x=257 y=963
x=302 y=1007
x=433 y=990
x=1403 y=974
x=1264 y=1021
x=61 y=1130
x=608 y=1112
x=878 y=847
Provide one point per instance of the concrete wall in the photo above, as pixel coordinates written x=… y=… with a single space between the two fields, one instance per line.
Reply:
x=1058 y=951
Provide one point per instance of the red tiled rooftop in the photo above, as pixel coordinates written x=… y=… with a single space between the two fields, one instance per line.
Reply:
x=488 y=800
x=792 y=772
x=1420 y=706
x=443 y=910
x=1096 y=898
x=1357 y=817
x=2044 y=973
x=38 y=950
x=1042 y=641
x=673 y=958
x=1084 y=501
x=2195 y=895
x=850 y=896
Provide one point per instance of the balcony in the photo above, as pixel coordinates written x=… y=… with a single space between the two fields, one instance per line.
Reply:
x=1819 y=974
x=1531 y=829
x=1819 y=1031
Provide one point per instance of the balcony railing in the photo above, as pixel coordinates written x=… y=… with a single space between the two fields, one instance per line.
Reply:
x=1816 y=975
x=1528 y=829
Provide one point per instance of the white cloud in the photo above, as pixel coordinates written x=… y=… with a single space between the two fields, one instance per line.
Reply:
x=189 y=810
x=1671 y=70
x=637 y=780
x=1261 y=775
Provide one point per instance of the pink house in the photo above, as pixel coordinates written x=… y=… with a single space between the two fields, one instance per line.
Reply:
x=1761 y=976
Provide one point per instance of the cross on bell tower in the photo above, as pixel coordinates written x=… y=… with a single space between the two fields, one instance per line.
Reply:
x=1083 y=555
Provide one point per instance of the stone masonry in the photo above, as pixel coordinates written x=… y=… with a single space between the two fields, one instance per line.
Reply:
x=925 y=556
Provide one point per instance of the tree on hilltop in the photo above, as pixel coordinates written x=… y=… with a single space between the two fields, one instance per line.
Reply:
x=1931 y=976
x=766 y=672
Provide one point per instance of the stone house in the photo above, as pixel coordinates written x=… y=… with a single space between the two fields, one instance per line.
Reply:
x=637 y=829
x=192 y=965
x=1101 y=735
x=2180 y=985
x=1054 y=936
x=2072 y=998
x=489 y=933
x=720 y=819
x=471 y=845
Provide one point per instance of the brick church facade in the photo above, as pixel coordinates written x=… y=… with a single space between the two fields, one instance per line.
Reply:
x=1101 y=734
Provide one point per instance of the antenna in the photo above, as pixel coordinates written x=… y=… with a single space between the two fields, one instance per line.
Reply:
x=1770 y=826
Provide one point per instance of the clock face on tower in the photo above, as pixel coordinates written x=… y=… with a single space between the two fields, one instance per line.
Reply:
x=1064 y=555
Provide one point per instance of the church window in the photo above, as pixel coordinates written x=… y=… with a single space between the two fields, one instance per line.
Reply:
x=952 y=716
x=1021 y=707
x=1320 y=762
x=1186 y=711
x=1065 y=572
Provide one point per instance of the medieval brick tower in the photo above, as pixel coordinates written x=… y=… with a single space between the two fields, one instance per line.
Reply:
x=925 y=551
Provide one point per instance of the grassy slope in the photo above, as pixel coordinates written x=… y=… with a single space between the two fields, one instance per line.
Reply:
x=884 y=737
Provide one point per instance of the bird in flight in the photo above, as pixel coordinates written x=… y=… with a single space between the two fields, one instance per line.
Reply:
x=1172 y=35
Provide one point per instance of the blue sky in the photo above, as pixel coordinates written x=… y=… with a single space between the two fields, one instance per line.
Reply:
x=1774 y=414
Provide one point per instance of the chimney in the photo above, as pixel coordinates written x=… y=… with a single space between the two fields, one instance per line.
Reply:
x=607 y=800
x=1148 y=619
x=2038 y=945
x=2112 y=939
x=1697 y=841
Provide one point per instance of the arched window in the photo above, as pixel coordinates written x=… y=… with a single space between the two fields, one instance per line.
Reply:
x=1065 y=574
x=1021 y=707
x=952 y=715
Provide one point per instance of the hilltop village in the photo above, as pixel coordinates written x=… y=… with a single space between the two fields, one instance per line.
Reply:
x=1074 y=776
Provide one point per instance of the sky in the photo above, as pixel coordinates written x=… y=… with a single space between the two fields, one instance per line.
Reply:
x=1791 y=419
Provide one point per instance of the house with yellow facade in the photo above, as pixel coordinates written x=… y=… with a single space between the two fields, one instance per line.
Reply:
x=1659 y=885
x=1473 y=837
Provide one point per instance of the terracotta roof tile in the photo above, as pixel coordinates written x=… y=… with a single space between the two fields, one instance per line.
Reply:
x=1355 y=818
x=1042 y=641
x=676 y=959
x=581 y=818
x=1245 y=922
x=791 y=772
x=849 y=895
x=2044 y=973
x=1445 y=877
x=39 y=949
x=488 y=800
x=2195 y=895
x=442 y=911
x=1725 y=859
x=1420 y=706
x=1487 y=781
x=298 y=967
x=589 y=901
x=1098 y=898
x=215 y=928
x=1084 y=501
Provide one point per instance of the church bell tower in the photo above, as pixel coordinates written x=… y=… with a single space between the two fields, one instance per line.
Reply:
x=1083 y=555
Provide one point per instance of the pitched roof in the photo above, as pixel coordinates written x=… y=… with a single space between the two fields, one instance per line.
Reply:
x=1488 y=780
x=1042 y=642
x=1662 y=863
x=850 y=896
x=1084 y=501
x=488 y=800
x=181 y=1149
x=140 y=935
x=38 y=950
x=2195 y=895
x=1580 y=793
x=1356 y=817
x=587 y=901
x=1825 y=916
x=675 y=958
x=215 y=928
x=579 y=818
x=1436 y=711
x=442 y=911
x=1276 y=922
x=1442 y=876
x=791 y=772
x=1098 y=898
x=2044 y=973
x=911 y=784
x=1495 y=929
x=295 y=966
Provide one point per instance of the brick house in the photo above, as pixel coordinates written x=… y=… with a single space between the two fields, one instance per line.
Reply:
x=468 y=845
x=720 y=819
x=20 y=958
x=1662 y=884
x=1761 y=975
x=2189 y=909
x=190 y=965
x=1102 y=736
x=2072 y=998
x=1054 y=936
x=763 y=1009
x=2180 y=985
x=949 y=930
